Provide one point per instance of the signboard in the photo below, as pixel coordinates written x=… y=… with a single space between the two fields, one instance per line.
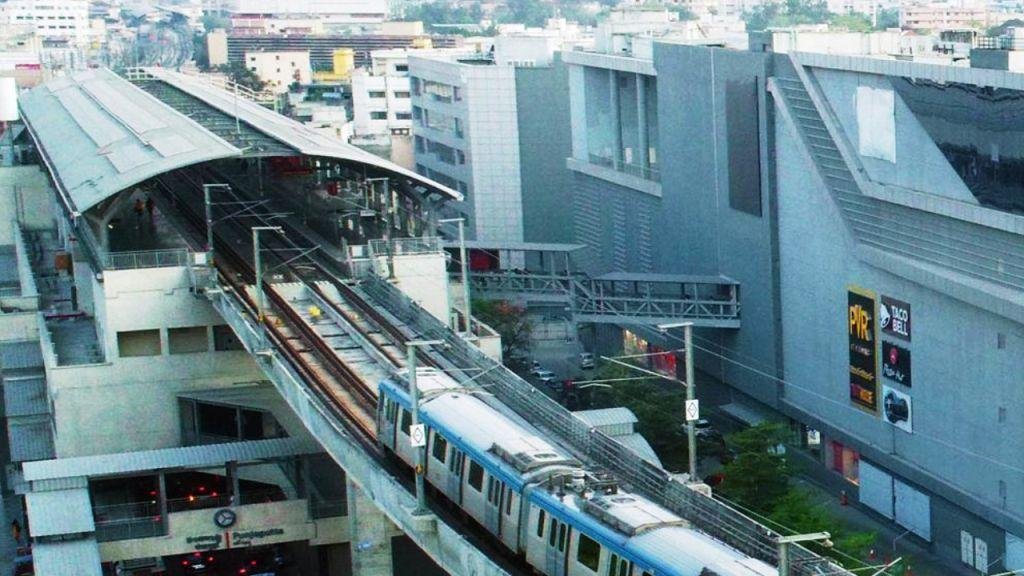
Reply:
x=692 y=410
x=894 y=318
x=897 y=409
x=418 y=435
x=896 y=363
x=863 y=349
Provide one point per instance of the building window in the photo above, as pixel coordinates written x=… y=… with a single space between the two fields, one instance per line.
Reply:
x=138 y=343
x=401 y=67
x=187 y=340
x=457 y=93
x=401 y=94
x=743 y=137
x=414 y=84
x=378 y=115
x=458 y=127
x=224 y=339
x=377 y=94
x=460 y=157
x=403 y=116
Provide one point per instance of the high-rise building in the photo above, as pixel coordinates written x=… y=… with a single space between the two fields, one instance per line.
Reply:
x=64 y=20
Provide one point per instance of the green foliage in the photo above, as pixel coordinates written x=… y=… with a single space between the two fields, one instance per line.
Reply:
x=787 y=13
x=657 y=403
x=887 y=18
x=212 y=21
x=200 y=52
x=853 y=22
x=797 y=511
x=1001 y=29
x=444 y=12
x=758 y=477
x=529 y=12
x=512 y=323
x=242 y=76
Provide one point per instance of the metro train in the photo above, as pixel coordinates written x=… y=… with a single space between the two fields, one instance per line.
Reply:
x=538 y=500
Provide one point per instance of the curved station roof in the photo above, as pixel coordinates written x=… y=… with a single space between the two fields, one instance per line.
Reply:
x=99 y=134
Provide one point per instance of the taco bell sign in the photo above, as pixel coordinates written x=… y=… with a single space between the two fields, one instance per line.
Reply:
x=894 y=318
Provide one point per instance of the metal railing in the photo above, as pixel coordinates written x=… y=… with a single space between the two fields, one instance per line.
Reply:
x=711 y=516
x=406 y=246
x=645 y=172
x=171 y=258
x=128 y=521
x=201 y=502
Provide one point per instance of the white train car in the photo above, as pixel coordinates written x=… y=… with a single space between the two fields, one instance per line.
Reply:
x=537 y=499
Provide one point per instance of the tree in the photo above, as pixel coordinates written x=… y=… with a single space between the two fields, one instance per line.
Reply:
x=759 y=475
x=658 y=406
x=1002 y=28
x=239 y=74
x=798 y=512
x=528 y=12
x=444 y=12
x=786 y=13
x=212 y=21
x=512 y=324
x=853 y=22
x=887 y=18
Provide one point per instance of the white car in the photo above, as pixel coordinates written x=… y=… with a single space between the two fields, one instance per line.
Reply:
x=586 y=360
x=545 y=376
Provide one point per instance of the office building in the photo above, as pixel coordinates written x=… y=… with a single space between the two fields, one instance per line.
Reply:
x=866 y=207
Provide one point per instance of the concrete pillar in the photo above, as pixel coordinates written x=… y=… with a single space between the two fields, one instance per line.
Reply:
x=641 y=121
x=613 y=91
x=370 y=535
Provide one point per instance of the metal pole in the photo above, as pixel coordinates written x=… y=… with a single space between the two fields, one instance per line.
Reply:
x=465 y=277
x=259 y=275
x=414 y=392
x=783 y=558
x=209 y=220
x=387 y=230
x=691 y=385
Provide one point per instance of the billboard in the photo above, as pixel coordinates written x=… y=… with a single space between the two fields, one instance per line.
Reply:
x=863 y=349
x=896 y=363
x=894 y=318
x=897 y=409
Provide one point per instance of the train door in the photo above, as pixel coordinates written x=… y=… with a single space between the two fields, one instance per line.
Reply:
x=510 y=519
x=387 y=424
x=558 y=538
x=456 y=463
x=492 y=510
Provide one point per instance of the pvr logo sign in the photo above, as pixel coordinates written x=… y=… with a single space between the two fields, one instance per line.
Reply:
x=860 y=323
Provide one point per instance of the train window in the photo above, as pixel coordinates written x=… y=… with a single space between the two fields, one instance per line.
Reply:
x=561 y=538
x=540 y=524
x=476 y=476
x=406 y=422
x=490 y=489
x=508 y=502
x=619 y=566
x=553 y=534
x=455 y=463
x=588 y=553
x=440 y=450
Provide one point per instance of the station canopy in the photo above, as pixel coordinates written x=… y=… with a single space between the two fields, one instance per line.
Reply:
x=99 y=134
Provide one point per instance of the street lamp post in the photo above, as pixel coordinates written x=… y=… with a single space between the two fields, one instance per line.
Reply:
x=414 y=394
x=465 y=270
x=691 y=386
x=261 y=304
x=783 y=543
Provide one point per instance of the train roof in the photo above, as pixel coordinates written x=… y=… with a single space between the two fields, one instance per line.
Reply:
x=650 y=536
x=500 y=437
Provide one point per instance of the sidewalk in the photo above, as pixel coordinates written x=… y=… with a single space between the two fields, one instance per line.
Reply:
x=923 y=561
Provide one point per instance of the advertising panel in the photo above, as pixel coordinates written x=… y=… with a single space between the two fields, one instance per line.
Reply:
x=863 y=349
x=894 y=318
x=896 y=363
x=897 y=409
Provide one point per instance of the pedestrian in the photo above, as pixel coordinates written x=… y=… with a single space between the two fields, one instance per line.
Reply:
x=16 y=531
x=139 y=208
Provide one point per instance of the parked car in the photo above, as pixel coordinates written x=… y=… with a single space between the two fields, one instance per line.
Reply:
x=544 y=376
x=198 y=563
x=586 y=360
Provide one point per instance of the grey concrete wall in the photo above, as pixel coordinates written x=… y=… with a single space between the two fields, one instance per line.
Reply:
x=545 y=141
x=960 y=448
x=697 y=230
